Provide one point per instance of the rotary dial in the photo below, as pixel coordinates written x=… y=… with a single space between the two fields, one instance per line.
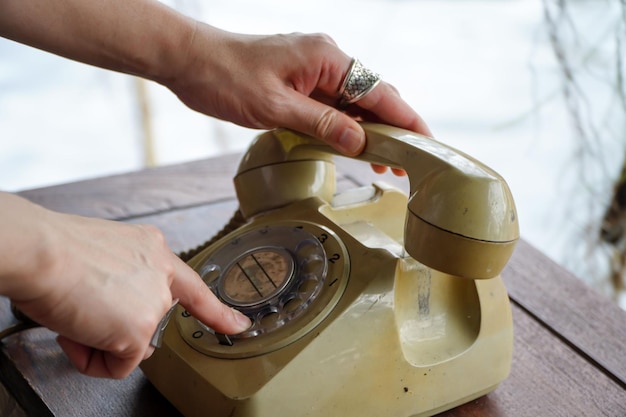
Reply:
x=286 y=278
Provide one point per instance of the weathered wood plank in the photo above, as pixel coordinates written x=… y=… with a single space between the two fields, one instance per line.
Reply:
x=547 y=378
x=590 y=322
x=143 y=192
x=569 y=341
x=8 y=405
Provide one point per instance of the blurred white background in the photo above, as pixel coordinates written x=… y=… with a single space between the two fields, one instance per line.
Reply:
x=483 y=74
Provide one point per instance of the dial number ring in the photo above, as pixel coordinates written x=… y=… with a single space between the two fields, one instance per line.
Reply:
x=285 y=277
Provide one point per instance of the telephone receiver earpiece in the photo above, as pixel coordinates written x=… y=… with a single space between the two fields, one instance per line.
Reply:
x=461 y=217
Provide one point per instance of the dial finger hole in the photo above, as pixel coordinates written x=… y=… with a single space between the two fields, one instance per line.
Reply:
x=269 y=320
x=307 y=286
x=307 y=248
x=312 y=265
x=209 y=273
x=292 y=305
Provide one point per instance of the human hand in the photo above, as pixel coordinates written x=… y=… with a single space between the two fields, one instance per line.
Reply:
x=283 y=81
x=104 y=286
x=261 y=82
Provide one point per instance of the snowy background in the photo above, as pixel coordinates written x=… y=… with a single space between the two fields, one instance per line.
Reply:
x=483 y=74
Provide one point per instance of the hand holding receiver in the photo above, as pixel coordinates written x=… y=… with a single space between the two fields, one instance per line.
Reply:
x=461 y=216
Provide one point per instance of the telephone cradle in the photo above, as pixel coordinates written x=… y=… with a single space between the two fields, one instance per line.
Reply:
x=364 y=303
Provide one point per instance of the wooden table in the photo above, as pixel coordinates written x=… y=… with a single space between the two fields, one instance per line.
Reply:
x=569 y=348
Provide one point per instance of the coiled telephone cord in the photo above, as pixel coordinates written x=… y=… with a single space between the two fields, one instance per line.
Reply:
x=235 y=222
x=25 y=323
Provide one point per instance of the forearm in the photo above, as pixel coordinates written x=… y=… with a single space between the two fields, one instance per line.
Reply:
x=141 y=37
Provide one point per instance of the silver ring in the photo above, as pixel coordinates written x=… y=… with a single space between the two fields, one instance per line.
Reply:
x=157 y=337
x=358 y=83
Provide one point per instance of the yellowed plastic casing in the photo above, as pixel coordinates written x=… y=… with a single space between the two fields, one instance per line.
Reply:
x=404 y=340
x=401 y=338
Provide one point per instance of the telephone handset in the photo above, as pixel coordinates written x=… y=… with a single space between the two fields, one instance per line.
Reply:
x=455 y=202
x=366 y=302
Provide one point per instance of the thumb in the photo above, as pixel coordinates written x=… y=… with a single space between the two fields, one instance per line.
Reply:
x=319 y=120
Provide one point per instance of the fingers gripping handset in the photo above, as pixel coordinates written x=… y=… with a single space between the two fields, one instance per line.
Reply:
x=461 y=217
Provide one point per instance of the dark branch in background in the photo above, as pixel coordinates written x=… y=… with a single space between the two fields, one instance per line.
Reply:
x=619 y=37
x=614 y=220
x=558 y=20
x=589 y=154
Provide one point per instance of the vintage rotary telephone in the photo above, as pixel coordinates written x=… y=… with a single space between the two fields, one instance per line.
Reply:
x=360 y=306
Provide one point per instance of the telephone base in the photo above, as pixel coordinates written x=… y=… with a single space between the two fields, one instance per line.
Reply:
x=400 y=339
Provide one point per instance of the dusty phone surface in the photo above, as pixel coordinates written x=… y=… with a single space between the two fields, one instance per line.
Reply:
x=365 y=303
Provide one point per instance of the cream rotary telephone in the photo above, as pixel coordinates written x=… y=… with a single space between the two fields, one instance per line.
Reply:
x=364 y=303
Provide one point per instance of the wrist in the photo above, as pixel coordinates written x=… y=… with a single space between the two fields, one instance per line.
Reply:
x=200 y=53
x=166 y=44
x=27 y=251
